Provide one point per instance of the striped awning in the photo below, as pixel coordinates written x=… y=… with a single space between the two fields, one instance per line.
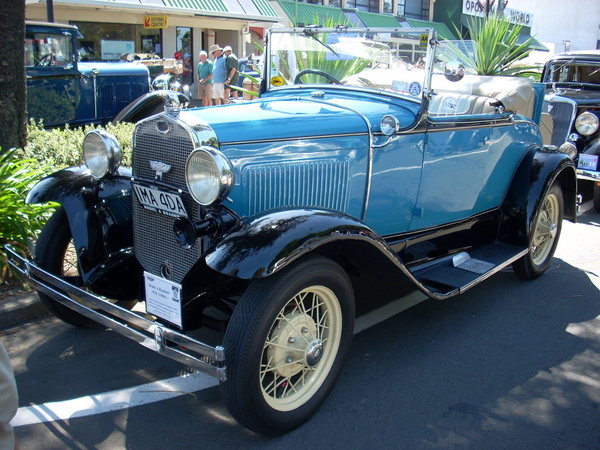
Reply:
x=440 y=28
x=377 y=20
x=306 y=14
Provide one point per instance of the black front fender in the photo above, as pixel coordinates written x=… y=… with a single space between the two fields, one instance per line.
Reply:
x=147 y=105
x=263 y=245
x=99 y=215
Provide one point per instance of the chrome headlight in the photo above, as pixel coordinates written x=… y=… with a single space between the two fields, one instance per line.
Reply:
x=586 y=124
x=569 y=148
x=160 y=84
x=208 y=175
x=101 y=152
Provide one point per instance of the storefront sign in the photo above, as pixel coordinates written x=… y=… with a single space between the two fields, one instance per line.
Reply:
x=112 y=50
x=481 y=8
x=155 y=21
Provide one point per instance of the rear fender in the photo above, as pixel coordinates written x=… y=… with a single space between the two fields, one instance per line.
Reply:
x=99 y=214
x=538 y=171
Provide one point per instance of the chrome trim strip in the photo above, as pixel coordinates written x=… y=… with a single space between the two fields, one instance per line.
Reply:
x=146 y=332
x=295 y=138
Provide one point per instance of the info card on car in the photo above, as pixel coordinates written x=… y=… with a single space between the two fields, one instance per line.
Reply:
x=163 y=298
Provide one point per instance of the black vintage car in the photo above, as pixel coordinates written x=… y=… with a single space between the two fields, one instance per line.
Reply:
x=573 y=102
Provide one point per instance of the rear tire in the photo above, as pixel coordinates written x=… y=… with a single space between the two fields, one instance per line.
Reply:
x=544 y=236
x=286 y=344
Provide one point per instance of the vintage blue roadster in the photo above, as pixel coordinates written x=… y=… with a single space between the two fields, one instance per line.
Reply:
x=371 y=153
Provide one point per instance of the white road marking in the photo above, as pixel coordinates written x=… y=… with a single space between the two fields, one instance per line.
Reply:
x=113 y=401
x=170 y=388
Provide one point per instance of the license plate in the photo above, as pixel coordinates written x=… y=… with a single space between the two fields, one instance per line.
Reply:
x=162 y=202
x=588 y=162
x=163 y=298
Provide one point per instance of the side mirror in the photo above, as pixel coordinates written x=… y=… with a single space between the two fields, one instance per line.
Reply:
x=454 y=71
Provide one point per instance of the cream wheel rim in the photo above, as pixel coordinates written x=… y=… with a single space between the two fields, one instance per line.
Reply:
x=300 y=348
x=545 y=231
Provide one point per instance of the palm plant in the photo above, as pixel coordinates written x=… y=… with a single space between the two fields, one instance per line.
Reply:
x=497 y=45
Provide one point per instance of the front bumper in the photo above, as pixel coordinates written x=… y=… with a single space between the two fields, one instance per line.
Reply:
x=590 y=175
x=134 y=325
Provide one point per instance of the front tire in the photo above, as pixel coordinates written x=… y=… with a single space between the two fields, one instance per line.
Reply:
x=286 y=344
x=597 y=195
x=56 y=254
x=544 y=236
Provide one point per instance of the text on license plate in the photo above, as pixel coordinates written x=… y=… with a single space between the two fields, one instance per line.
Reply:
x=160 y=201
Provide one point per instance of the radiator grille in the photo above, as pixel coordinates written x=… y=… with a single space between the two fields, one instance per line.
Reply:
x=116 y=96
x=321 y=184
x=563 y=114
x=155 y=244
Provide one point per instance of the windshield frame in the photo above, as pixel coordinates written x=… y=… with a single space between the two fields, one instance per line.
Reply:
x=429 y=48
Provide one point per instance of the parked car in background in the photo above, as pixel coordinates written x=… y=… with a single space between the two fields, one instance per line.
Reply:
x=274 y=222
x=249 y=66
x=573 y=102
x=63 y=90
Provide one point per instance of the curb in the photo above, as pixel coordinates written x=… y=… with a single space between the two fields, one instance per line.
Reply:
x=21 y=308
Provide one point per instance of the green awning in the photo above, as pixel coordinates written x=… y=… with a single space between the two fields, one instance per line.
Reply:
x=378 y=20
x=440 y=28
x=265 y=8
x=201 y=5
x=262 y=6
x=313 y=14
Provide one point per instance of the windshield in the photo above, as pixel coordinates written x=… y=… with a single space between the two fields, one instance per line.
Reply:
x=573 y=72
x=45 y=49
x=392 y=60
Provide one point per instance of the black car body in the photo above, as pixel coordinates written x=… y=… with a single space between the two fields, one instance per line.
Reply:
x=573 y=104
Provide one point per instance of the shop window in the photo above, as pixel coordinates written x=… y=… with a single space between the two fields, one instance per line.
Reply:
x=106 y=41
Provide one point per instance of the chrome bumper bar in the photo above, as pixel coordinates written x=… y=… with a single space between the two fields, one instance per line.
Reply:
x=146 y=332
x=589 y=175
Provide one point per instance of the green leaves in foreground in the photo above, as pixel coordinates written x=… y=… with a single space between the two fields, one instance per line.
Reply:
x=19 y=220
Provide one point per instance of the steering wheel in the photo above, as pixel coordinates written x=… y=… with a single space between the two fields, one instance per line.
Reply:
x=46 y=60
x=315 y=72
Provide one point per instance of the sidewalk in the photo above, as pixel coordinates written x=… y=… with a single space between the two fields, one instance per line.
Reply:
x=18 y=306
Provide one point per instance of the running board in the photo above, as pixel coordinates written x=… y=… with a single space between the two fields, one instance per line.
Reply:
x=462 y=271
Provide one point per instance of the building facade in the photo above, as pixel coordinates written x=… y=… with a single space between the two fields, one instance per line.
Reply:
x=161 y=27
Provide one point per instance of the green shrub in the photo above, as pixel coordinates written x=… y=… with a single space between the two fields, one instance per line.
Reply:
x=20 y=221
x=62 y=147
x=47 y=151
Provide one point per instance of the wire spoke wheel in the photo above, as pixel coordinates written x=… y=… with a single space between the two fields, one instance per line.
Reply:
x=545 y=231
x=544 y=236
x=300 y=348
x=286 y=343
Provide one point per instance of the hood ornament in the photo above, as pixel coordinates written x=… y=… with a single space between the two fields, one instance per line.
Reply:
x=160 y=168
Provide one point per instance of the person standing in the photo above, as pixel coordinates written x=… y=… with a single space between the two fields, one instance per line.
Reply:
x=186 y=76
x=219 y=73
x=232 y=66
x=205 y=68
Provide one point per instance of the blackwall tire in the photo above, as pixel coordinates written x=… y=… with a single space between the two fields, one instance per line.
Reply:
x=544 y=236
x=597 y=196
x=286 y=344
x=56 y=254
